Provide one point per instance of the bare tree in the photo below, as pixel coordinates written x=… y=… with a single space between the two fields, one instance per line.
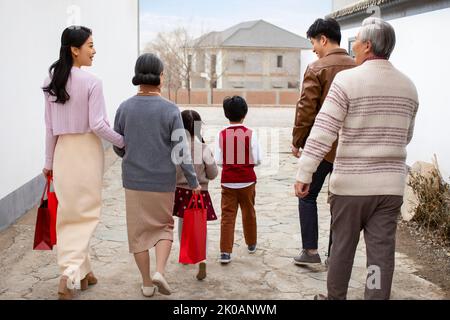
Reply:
x=178 y=50
x=172 y=79
x=173 y=49
x=217 y=65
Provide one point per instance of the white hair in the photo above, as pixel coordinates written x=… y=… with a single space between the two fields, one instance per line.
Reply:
x=381 y=34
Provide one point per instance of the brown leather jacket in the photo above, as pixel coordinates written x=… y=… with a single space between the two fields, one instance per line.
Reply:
x=317 y=81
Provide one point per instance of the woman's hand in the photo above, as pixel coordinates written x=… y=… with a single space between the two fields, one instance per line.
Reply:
x=197 y=190
x=47 y=172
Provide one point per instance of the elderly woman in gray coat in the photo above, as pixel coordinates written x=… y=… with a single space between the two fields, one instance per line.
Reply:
x=148 y=122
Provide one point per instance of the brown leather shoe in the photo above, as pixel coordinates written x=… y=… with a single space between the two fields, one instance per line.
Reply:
x=64 y=293
x=89 y=280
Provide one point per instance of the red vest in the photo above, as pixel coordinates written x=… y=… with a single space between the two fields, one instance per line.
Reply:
x=237 y=160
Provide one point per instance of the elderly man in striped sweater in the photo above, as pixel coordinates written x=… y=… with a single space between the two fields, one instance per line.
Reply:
x=372 y=108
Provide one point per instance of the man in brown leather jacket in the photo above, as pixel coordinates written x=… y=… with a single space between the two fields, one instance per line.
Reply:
x=325 y=36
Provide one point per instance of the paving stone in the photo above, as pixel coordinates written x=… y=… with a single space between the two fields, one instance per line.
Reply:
x=267 y=274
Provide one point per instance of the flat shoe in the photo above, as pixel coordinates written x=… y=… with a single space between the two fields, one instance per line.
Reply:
x=148 y=291
x=161 y=283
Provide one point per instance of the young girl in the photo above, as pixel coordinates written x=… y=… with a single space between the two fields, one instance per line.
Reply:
x=205 y=169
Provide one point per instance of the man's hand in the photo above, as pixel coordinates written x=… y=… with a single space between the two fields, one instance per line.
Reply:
x=197 y=190
x=296 y=152
x=47 y=172
x=301 y=189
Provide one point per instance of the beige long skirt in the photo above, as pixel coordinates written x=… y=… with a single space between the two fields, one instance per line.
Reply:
x=78 y=173
x=149 y=218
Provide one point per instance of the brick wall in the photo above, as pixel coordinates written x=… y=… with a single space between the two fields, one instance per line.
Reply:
x=282 y=98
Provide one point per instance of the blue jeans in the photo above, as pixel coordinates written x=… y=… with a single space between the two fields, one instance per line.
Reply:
x=307 y=207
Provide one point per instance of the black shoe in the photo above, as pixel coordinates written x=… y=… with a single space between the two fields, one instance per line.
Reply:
x=305 y=259
x=225 y=258
x=320 y=297
x=251 y=248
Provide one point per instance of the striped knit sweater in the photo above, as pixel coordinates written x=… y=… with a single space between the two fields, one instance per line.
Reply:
x=372 y=109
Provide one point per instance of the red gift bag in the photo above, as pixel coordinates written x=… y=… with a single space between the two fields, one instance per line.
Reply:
x=45 y=231
x=53 y=208
x=193 y=236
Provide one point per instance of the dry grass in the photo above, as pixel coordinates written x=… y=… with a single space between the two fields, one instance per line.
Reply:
x=432 y=212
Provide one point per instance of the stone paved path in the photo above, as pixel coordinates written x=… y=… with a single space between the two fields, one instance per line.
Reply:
x=268 y=274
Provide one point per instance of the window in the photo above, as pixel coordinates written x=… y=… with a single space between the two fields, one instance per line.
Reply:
x=293 y=84
x=279 y=61
x=190 y=61
x=213 y=63
x=350 y=45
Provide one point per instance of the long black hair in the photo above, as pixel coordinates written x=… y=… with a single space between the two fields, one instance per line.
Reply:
x=190 y=117
x=74 y=36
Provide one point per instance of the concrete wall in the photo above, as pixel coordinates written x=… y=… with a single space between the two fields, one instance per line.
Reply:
x=421 y=53
x=280 y=98
x=30 y=33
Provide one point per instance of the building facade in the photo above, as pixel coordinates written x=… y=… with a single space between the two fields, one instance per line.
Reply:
x=251 y=55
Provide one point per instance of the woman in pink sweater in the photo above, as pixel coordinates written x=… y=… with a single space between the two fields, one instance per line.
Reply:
x=76 y=119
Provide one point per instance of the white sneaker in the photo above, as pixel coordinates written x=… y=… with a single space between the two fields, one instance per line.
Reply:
x=161 y=283
x=148 y=291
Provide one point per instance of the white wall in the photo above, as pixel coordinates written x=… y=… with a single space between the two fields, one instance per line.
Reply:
x=307 y=57
x=422 y=53
x=30 y=34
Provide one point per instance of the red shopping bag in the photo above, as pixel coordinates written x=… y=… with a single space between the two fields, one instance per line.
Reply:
x=193 y=236
x=53 y=208
x=45 y=231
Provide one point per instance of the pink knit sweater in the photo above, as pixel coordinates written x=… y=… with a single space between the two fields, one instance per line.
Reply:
x=84 y=112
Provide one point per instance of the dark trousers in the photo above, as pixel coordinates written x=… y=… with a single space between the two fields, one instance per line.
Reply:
x=377 y=216
x=307 y=207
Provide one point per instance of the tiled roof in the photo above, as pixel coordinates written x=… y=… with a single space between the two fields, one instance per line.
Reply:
x=360 y=6
x=257 y=33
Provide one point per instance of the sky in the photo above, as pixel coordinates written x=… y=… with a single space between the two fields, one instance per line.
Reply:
x=202 y=16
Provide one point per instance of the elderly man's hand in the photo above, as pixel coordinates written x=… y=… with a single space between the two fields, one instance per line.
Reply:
x=296 y=152
x=301 y=189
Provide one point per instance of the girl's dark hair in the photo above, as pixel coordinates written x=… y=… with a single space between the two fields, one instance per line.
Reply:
x=328 y=27
x=74 y=36
x=148 y=70
x=190 y=117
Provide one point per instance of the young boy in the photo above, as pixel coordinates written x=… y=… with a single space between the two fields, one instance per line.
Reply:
x=237 y=152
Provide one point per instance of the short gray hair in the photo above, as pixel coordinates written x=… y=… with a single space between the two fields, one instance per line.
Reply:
x=381 y=34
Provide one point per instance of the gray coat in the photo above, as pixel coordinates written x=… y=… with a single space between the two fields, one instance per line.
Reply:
x=147 y=124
